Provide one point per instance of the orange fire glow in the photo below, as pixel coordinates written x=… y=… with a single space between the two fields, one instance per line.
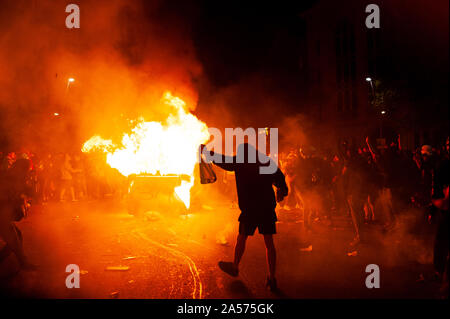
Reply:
x=163 y=148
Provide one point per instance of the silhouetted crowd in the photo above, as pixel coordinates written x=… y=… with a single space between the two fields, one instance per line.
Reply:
x=372 y=186
x=324 y=184
x=67 y=177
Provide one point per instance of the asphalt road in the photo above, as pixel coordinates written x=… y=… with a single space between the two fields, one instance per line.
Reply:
x=167 y=255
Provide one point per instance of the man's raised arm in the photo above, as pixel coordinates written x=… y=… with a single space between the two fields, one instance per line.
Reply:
x=227 y=163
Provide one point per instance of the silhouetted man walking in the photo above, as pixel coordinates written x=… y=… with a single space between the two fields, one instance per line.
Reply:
x=257 y=202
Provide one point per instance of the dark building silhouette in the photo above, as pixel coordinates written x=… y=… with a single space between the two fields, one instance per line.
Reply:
x=406 y=55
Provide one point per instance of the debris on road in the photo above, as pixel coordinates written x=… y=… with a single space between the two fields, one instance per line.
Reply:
x=130 y=281
x=353 y=253
x=309 y=248
x=114 y=295
x=117 y=268
x=129 y=258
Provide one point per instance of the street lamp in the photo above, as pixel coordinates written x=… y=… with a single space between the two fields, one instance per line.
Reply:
x=369 y=79
x=66 y=95
x=383 y=112
x=70 y=80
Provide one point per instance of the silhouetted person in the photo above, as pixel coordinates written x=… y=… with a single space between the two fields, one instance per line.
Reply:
x=257 y=202
x=67 y=172
x=14 y=190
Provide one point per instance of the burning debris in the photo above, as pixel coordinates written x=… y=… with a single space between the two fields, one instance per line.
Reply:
x=158 y=148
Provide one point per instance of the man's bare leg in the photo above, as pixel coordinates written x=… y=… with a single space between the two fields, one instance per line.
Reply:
x=271 y=255
x=239 y=249
x=232 y=268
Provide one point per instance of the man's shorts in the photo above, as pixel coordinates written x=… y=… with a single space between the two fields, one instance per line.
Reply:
x=264 y=228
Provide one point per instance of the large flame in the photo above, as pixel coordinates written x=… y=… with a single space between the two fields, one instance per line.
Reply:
x=155 y=147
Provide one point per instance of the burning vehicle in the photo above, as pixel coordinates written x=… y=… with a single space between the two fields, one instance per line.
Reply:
x=147 y=192
x=158 y=158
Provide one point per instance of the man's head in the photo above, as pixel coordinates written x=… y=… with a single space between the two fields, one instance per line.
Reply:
x=246 y=153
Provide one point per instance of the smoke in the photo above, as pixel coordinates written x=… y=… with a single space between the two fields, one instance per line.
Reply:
x=123 y=57
x=411 y=238
x=254 y=102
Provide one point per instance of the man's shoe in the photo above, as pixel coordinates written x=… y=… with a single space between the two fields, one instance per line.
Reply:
x=271 y=284
x=228 y=267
